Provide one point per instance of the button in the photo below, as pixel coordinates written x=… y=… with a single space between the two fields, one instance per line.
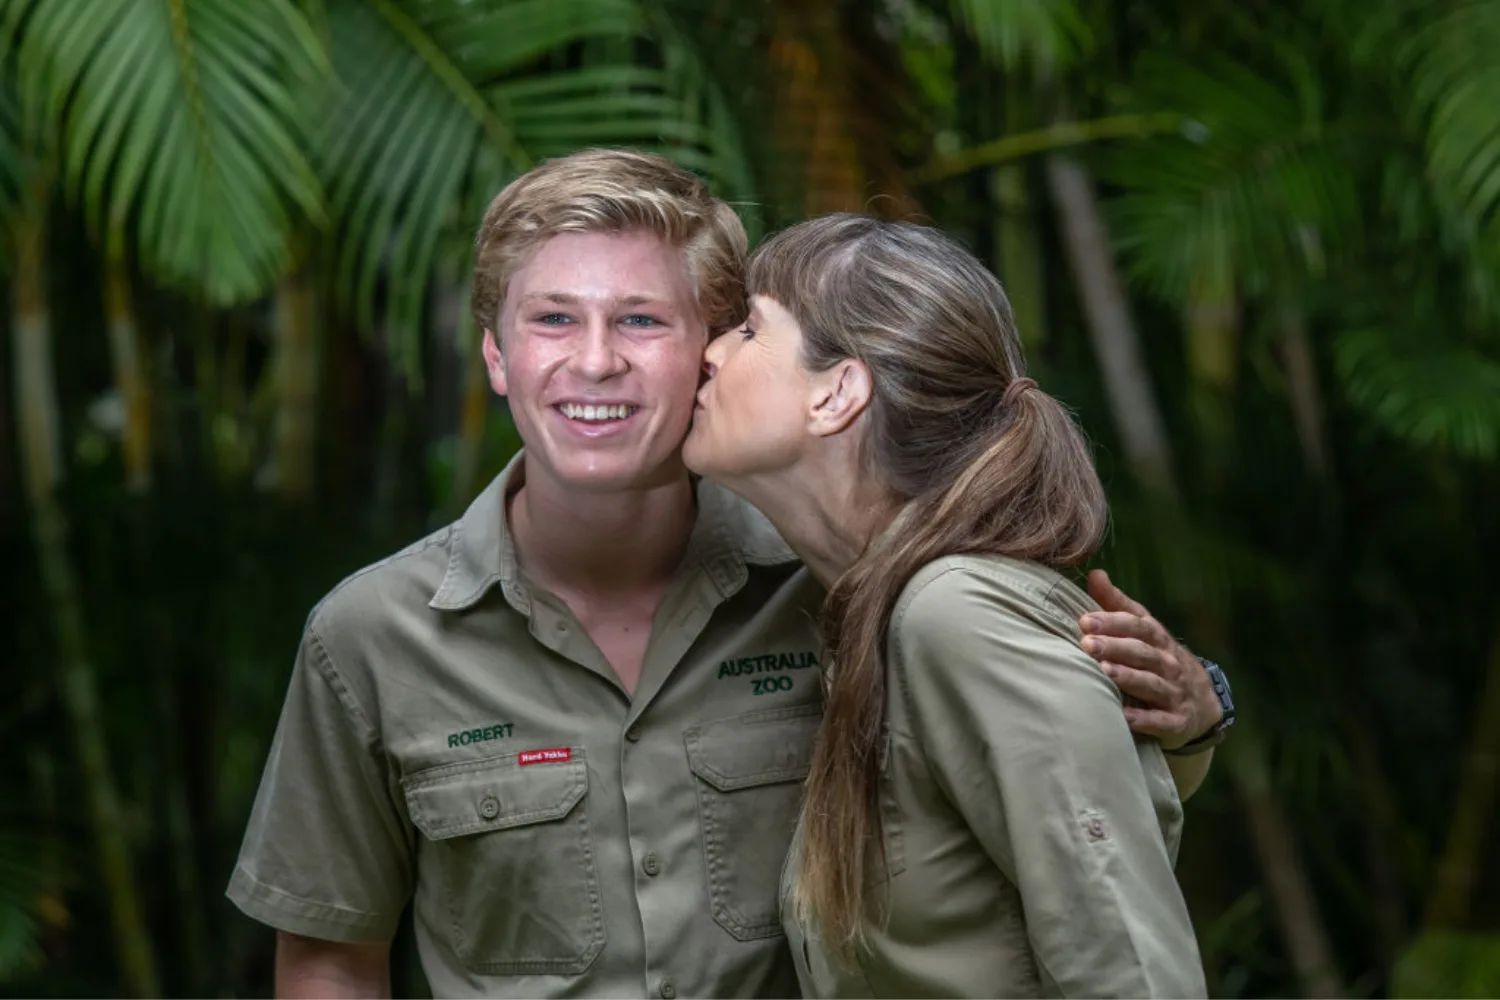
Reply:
x=633 y=734
x=667 y=990
x=651 y=866
x=561 y=625
x=489 y=807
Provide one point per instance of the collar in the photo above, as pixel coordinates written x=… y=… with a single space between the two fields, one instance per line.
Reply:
x=729 y=536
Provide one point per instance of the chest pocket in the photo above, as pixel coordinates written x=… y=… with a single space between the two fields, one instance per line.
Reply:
x=750 y=771
x=517 y=886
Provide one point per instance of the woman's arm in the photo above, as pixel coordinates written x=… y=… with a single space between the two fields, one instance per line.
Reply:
x=1027 y=737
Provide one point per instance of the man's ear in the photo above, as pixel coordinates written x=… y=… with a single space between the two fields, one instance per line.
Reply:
x=840 y=395
x=494 y=361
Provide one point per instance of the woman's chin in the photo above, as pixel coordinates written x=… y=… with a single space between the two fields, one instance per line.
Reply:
x=695 y=454
x=703 y=458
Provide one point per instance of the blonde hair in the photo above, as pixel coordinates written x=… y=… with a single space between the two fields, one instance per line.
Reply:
x=983 y=460
x=613 y=191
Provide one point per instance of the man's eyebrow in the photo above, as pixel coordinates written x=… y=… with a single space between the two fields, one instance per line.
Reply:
x=567 y=299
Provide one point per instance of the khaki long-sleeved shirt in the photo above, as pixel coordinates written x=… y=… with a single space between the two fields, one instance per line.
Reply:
x=1030 y=838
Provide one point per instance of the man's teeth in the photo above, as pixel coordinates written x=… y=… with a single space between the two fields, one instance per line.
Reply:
x=575 y=411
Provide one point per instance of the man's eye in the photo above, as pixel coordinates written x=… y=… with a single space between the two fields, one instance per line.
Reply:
x=639 y=320
x=553 y=319
x=746 y=332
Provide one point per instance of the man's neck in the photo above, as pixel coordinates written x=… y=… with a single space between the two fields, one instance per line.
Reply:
x=601 y=545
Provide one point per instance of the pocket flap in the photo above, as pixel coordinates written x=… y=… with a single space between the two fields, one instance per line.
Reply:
x=755 y=749
x=496 y=793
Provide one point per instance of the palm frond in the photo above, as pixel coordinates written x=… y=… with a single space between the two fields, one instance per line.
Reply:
x=1447 y=53
x=21 y=891
x=1257 y=188
x=1425 y=391
x=186 y=119
x=10 y=142
x=441 y=102
x=1046 y=33
x=1172 y=558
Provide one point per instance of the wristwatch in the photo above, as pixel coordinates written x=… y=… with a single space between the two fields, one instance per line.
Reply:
x=1216 y=735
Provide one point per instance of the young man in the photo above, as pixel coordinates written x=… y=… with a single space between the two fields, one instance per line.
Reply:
x=570 y=728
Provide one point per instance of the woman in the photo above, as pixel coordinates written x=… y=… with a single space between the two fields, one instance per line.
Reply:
x=978 y=819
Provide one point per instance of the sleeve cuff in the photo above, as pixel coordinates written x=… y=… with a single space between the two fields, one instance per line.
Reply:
x=286 y=912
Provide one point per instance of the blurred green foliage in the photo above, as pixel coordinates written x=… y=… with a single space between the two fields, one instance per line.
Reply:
x=236 y=246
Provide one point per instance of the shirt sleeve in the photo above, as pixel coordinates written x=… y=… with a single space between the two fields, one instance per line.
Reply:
x=1027 y=739
x=328 y=851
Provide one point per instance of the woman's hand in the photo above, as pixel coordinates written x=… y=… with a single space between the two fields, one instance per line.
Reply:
x=1168 y=693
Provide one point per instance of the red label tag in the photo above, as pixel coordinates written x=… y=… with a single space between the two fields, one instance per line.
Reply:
x=546 y=756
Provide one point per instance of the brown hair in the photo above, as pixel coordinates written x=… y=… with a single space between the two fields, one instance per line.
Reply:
x=613 y=191
x=981 y=459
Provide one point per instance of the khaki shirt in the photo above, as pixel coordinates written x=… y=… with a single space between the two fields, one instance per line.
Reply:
x=1030 y=838
x=454 y=740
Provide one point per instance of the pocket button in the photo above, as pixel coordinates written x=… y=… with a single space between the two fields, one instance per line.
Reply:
x=651 y=866
x=489 y=807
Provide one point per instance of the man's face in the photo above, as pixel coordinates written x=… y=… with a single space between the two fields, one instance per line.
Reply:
x=600 y=348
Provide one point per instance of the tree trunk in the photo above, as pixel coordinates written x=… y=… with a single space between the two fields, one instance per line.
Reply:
x=1281 y=861
x=1467 y=847
x=391 y=467
x=1302 y=391
x=1382 y=832
x=1212 y=319
x=1127 y=384
x=130 y=376
x=807 y=51
x=471 y=424
x=296 y=385
x=41 y=450
x=1020 y=257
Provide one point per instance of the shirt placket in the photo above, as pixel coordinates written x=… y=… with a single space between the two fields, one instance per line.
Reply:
x=660 y=799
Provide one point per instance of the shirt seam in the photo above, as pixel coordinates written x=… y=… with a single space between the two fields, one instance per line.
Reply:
x=439 y=537
x=310 y=909
x=325 y=668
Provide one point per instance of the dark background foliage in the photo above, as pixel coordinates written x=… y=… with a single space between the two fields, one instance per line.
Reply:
x=1253 y=244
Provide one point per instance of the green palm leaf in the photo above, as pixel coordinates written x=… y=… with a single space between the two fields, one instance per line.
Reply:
x=185 y=117
x=22 y=882
x=1048 y=33
x=10 y=146
x=1428 y=392
x=1257 y=189
x=1447 y=52
x=442 y=101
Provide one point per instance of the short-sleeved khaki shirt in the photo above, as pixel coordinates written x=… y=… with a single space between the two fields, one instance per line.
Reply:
x=453 y=739
x=1029 y=837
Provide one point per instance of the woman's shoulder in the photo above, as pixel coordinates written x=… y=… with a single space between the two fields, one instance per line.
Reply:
x=953 y=590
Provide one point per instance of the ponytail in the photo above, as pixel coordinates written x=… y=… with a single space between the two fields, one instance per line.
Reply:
x=1029 y=491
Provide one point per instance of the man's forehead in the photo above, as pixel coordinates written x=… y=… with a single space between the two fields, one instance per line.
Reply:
x=628 y=269
x=628 y=299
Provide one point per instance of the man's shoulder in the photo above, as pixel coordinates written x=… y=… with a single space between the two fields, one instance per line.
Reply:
x=402 y=581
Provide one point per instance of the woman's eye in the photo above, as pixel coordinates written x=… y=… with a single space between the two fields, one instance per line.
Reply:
x=641 y=321
x=746 y=332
